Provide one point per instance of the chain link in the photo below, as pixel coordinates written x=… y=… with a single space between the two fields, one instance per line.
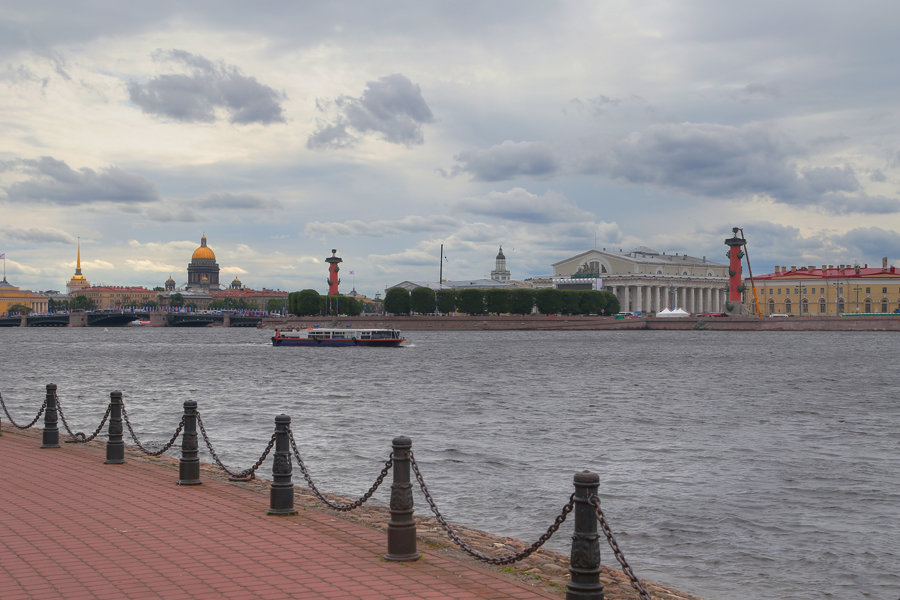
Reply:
x=35 y=420
x=138 y=442
x=339 y=507
x=500 y=560
x=626 y=568
x=80 y=438
x=246 y=474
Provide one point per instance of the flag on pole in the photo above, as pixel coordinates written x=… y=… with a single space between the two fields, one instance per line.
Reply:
x=3 y=255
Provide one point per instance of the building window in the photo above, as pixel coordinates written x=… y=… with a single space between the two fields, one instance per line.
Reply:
x=772 y=306
x=868 y=305
x=779 y=291
x=884 y=305
x=868 y=290
x=822 y=306
x=884 y=290
x=804 y=306
x=787 y=305
x=840 y=305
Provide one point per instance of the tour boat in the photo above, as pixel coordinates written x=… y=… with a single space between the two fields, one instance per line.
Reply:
x=333 y=336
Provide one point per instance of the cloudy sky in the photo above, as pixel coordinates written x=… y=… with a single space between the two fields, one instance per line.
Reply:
x=287 y=129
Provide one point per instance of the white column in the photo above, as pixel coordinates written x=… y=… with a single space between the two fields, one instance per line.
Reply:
x=626 y=299
x=638 y=298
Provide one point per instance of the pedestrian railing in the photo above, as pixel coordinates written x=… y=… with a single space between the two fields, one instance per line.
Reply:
x=584 y=560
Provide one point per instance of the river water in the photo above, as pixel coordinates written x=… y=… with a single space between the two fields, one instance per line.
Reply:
x=733 y=465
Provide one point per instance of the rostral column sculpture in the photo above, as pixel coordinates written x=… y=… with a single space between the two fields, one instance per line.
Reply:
x=333 y=269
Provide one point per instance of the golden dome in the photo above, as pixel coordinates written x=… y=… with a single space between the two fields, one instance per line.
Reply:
x=203 y=251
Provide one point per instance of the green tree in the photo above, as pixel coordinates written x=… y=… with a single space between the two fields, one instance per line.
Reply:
x=350 y=306
x=275 y=304
x=217 y=305
x=548 y=301
x=57 y=305
x=422 y=300
x=611 y=303
x=592 y=302
x=176 y=300
x=82 y=303
x=446 y=301
x=521 y=302
x=471 y=301
x=498 y=301
x=305 y=302
x=396 y=301
x=571 y=302
x=19 y=309
x=159 y=289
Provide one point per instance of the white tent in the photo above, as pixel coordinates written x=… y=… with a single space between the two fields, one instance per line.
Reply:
x=678 y=312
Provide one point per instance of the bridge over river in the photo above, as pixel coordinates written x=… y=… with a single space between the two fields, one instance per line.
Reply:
x=125 y=318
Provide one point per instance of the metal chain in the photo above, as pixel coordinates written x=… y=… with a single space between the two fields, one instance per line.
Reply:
x=339 y=507
x=501 y=560
x=138 y=442
x=35 y=420
x=80 y=438
x=626 y=568
x=246 y=473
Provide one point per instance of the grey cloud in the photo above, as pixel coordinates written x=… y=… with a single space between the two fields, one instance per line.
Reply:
x=872 y=241
x=721 y=161
x=384 y=228
x=209 y=86
x=51 y=180
x=22 y=74
x=521 y=205
x=392 y=107
x=229 y=201
x=507 y=160
x=39 y=236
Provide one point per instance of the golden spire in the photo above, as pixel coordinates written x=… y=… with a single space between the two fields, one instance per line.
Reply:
x=78 y=264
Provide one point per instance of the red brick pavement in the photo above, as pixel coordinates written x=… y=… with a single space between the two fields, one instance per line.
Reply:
x=72 y=527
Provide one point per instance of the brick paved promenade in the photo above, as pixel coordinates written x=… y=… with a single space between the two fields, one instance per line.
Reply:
x=72 y=527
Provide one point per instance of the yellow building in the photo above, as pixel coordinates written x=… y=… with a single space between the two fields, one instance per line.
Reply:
x=11 y=296
x=116 y=297
x=827 y=291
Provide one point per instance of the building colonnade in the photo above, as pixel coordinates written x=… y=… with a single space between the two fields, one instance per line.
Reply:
x=654 y=297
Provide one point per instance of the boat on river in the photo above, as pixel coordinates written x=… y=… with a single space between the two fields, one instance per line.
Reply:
x=336 y=336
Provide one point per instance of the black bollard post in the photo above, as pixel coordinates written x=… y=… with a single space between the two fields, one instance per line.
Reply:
x=584 y=562
x=281 y=496
x=51 y=419
x=115 y=447
x=189 y=465
x=401 y=535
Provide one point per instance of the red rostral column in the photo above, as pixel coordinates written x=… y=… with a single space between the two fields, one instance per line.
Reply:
x=333 y=269
x=735 y=254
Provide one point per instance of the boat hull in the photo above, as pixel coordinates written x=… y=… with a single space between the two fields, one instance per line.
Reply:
x=276 y=341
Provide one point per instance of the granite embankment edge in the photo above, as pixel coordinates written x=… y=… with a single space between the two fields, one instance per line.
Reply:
x=587 y=323
x=545 y=568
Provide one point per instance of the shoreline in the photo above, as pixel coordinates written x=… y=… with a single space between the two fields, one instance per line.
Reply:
x=588 y=323
x=546 y=569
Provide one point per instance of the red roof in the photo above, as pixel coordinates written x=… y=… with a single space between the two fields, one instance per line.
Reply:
x=840 y=272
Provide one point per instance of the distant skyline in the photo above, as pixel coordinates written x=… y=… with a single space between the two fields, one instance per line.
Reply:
x=286 y=129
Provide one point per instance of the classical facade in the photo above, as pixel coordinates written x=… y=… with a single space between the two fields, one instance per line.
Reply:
x=645 y=280
x=203 y=271
x=111 y=297
x=500 y=273
x=827 y=290
x=78 y=280
x=11 y=296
